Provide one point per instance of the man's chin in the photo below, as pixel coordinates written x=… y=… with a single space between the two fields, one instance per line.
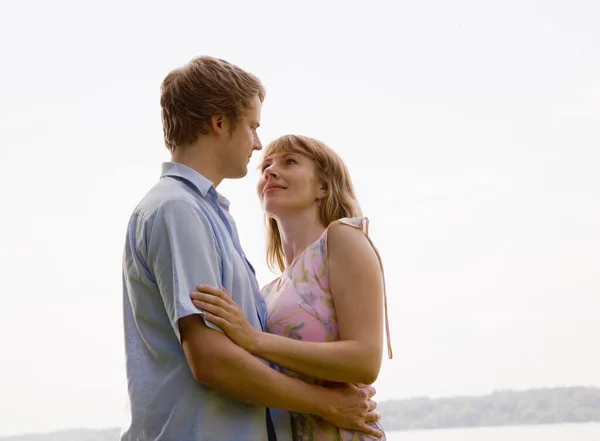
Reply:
x=239 y=174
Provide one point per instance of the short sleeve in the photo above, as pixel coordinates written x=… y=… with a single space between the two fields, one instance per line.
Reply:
x=183 y=253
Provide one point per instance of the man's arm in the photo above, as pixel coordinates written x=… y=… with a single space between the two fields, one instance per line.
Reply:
x=217 y=362
x=182 y=252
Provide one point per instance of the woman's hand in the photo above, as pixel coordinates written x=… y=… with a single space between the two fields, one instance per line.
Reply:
x=225 y=313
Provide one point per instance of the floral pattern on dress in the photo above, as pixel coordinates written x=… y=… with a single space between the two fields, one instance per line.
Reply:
x=300 y=306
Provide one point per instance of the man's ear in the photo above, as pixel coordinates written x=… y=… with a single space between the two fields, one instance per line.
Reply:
x=217 y=123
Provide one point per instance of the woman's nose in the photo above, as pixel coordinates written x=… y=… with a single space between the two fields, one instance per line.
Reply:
x=270 y=171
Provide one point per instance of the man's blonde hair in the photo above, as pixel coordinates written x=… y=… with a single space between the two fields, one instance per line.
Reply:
x=203 y=88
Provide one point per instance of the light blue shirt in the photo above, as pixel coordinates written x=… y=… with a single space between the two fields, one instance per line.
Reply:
x=180 y=235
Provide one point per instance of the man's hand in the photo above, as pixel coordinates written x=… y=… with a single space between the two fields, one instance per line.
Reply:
x=351 y=407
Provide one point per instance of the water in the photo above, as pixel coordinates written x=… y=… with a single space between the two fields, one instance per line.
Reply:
x=558 y=432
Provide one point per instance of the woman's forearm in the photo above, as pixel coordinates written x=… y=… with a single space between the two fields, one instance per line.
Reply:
x=339 y=361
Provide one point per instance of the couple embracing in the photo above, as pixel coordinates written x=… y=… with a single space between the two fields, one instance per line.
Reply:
x=209 y=354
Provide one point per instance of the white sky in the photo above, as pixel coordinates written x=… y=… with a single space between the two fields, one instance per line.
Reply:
x=471 y=129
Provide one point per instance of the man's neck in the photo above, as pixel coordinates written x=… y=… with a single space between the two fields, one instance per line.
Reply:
x=298 y=231
x=199 y=159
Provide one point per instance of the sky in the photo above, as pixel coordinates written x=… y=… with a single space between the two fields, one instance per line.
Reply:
x=470 y=128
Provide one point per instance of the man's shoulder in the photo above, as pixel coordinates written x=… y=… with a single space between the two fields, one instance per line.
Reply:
x=164 y=194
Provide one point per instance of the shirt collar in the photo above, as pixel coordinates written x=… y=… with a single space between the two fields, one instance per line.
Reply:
x=178 y=170
x=202 y=184
x=223 y=201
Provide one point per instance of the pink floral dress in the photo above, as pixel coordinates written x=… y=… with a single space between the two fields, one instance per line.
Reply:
x=300 y=306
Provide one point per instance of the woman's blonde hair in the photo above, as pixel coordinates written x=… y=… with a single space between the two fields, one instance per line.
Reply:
x=339 y=201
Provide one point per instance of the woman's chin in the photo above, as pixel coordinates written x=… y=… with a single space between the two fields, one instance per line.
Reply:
x=270 y=210
x=273 y=208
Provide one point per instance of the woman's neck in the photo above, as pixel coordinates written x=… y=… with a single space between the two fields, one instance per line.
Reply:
x=297 y=232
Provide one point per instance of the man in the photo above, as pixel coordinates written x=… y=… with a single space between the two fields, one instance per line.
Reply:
x=187 y=381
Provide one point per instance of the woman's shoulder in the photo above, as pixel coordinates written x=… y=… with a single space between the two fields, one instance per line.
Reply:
x=360 y=223
x=334 y=233
x=353 y=229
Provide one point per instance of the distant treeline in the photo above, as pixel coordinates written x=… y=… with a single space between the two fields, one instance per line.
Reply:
x=502 y=408
x=537 y=406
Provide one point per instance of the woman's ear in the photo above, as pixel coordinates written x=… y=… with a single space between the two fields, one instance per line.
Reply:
x=322 y=193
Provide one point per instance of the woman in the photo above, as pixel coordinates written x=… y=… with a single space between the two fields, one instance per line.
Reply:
x=326 y=310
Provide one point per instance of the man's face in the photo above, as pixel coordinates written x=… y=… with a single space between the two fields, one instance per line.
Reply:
x=242 y=142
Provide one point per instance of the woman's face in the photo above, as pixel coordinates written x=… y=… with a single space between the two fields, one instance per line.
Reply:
x=288 y=184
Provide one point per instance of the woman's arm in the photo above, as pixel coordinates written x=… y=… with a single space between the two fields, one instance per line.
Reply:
x=356 y=284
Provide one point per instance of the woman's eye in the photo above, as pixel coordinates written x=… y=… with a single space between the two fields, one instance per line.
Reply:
x=291 y=161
